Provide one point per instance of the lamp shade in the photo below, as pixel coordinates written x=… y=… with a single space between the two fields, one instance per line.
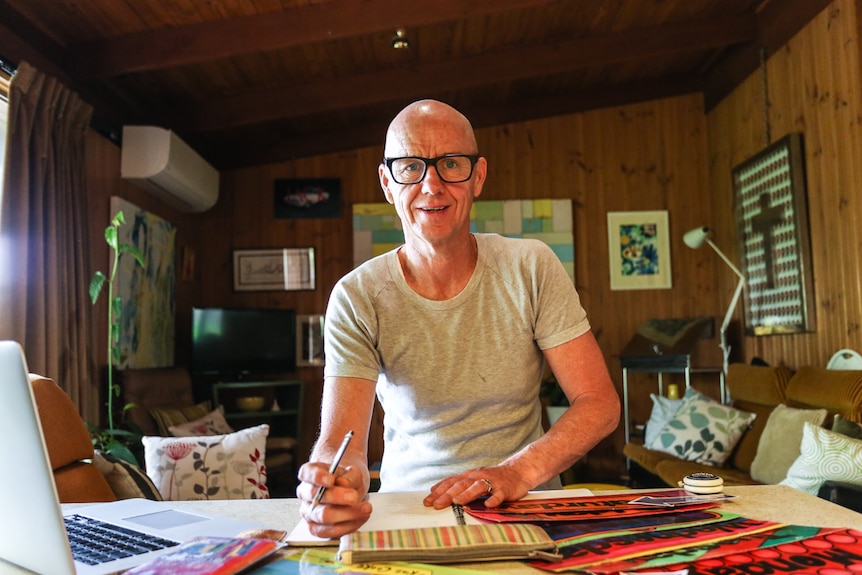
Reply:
x=696 y=237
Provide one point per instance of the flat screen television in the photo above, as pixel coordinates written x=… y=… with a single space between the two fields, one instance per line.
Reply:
x=238 y=342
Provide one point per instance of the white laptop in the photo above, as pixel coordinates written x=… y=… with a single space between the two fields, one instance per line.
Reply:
x=32 y=530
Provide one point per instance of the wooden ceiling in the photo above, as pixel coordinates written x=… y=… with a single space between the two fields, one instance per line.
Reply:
x=250 y=82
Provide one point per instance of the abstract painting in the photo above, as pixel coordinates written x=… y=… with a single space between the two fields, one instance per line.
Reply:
x=147 y=294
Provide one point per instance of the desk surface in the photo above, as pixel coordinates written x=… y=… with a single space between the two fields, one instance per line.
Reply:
x=768 y=502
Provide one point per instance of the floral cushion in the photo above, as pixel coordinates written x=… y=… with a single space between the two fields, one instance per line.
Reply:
x=825 y=456
x=229 y=466
x=702 y=430
x=212 y=423
x=663 y=409
x=779 y=443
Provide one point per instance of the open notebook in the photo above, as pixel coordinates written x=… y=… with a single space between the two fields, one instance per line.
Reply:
x=32 y=530
x=404 y=510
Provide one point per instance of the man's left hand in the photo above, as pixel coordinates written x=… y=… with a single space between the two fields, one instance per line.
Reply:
x=498 y=484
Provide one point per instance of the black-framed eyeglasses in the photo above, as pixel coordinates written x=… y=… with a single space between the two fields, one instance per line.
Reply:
x=452 y=168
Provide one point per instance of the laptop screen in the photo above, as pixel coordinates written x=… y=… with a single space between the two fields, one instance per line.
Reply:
x=32 y=519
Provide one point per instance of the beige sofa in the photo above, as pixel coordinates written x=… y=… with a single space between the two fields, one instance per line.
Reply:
x=757 y=389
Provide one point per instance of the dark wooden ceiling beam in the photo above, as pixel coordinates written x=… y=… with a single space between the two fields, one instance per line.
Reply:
x=226 y=155
x=777 y=23
x=170 y=47
x=512 y=64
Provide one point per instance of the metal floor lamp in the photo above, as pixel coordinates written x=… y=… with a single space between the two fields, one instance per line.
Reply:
x=695 y=239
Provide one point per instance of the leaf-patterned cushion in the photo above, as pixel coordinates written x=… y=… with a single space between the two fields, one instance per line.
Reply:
x=663 y=409
x=229 y=466
x=702 y=430
x=825 y=456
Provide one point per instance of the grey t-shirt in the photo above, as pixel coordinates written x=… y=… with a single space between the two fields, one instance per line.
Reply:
x=458 y=379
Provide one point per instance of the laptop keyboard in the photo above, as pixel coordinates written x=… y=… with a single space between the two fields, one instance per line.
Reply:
x=94 y=542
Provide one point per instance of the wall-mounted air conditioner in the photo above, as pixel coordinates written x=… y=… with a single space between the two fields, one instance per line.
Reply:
x=158 y=161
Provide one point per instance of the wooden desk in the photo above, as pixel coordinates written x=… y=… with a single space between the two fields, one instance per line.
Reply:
x=769 y=502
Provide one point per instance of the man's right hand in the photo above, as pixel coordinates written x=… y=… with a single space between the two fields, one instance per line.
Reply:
x=344 y=507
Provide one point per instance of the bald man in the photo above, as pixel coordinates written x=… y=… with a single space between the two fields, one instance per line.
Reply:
x=452 y=332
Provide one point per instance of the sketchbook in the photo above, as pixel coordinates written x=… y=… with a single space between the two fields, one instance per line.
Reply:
x=455 y=544
x=404 y=510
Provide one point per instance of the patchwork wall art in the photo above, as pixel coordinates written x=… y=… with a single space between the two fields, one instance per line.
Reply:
x=377 y=229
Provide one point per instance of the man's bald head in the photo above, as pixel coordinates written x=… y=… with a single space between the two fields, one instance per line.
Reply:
x=424 y=121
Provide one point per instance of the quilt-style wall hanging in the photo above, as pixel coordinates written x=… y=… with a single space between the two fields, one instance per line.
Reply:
x=772 y=227
x=377 y=229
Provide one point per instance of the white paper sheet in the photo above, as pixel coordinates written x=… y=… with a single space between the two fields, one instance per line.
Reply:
x=405 y=510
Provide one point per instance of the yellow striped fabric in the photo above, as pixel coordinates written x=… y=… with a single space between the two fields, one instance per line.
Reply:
x=447 y=544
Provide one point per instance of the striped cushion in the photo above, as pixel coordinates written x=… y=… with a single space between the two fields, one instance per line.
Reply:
x=126 y=480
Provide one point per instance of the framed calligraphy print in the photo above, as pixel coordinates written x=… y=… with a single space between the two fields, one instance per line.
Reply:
x=287 y=269
x=772 y=227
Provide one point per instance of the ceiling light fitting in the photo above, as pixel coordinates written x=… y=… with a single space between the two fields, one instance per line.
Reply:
x=400 y=40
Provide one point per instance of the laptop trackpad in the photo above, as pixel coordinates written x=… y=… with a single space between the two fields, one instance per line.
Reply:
x=167 y=519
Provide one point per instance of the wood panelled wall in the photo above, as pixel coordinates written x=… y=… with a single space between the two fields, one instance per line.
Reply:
x=645 y=157
x=659 y=155
x=813 y=86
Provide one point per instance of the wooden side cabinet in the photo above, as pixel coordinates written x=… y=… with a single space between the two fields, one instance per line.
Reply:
x=280 y=404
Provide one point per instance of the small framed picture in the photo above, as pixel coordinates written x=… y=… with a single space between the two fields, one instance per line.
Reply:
x=307 y=198
x=639 y=250
x=309 y=340
x=286 y=269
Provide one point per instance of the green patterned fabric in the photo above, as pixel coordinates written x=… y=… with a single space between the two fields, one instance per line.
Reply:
x=663 y=409
x=825 y=456
x=702 y=430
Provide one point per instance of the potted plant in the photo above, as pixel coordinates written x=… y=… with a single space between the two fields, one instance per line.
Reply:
x=112 y=439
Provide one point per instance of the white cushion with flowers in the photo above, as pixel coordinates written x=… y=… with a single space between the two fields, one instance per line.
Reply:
x=228 y=466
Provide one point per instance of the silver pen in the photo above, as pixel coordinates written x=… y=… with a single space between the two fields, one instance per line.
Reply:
x=334 y=466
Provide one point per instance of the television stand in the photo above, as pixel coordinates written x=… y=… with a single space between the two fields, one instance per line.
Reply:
x=281 y=404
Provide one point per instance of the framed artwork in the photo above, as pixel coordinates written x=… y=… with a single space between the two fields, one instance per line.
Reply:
x=774 y=242
x=377 y=228
x=307 y=198
x=146 y=336
x=309 y=340
x=639 y=250
x=286 y=269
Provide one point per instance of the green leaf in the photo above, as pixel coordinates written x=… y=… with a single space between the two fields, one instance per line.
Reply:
x=123 y=434
x=96 y=286
x=117 y=307
x=119 y=219
x=122 y=452
x=111 y=237
x=126 y=248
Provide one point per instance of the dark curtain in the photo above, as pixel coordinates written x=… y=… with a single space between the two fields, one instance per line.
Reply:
x=44 y=304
